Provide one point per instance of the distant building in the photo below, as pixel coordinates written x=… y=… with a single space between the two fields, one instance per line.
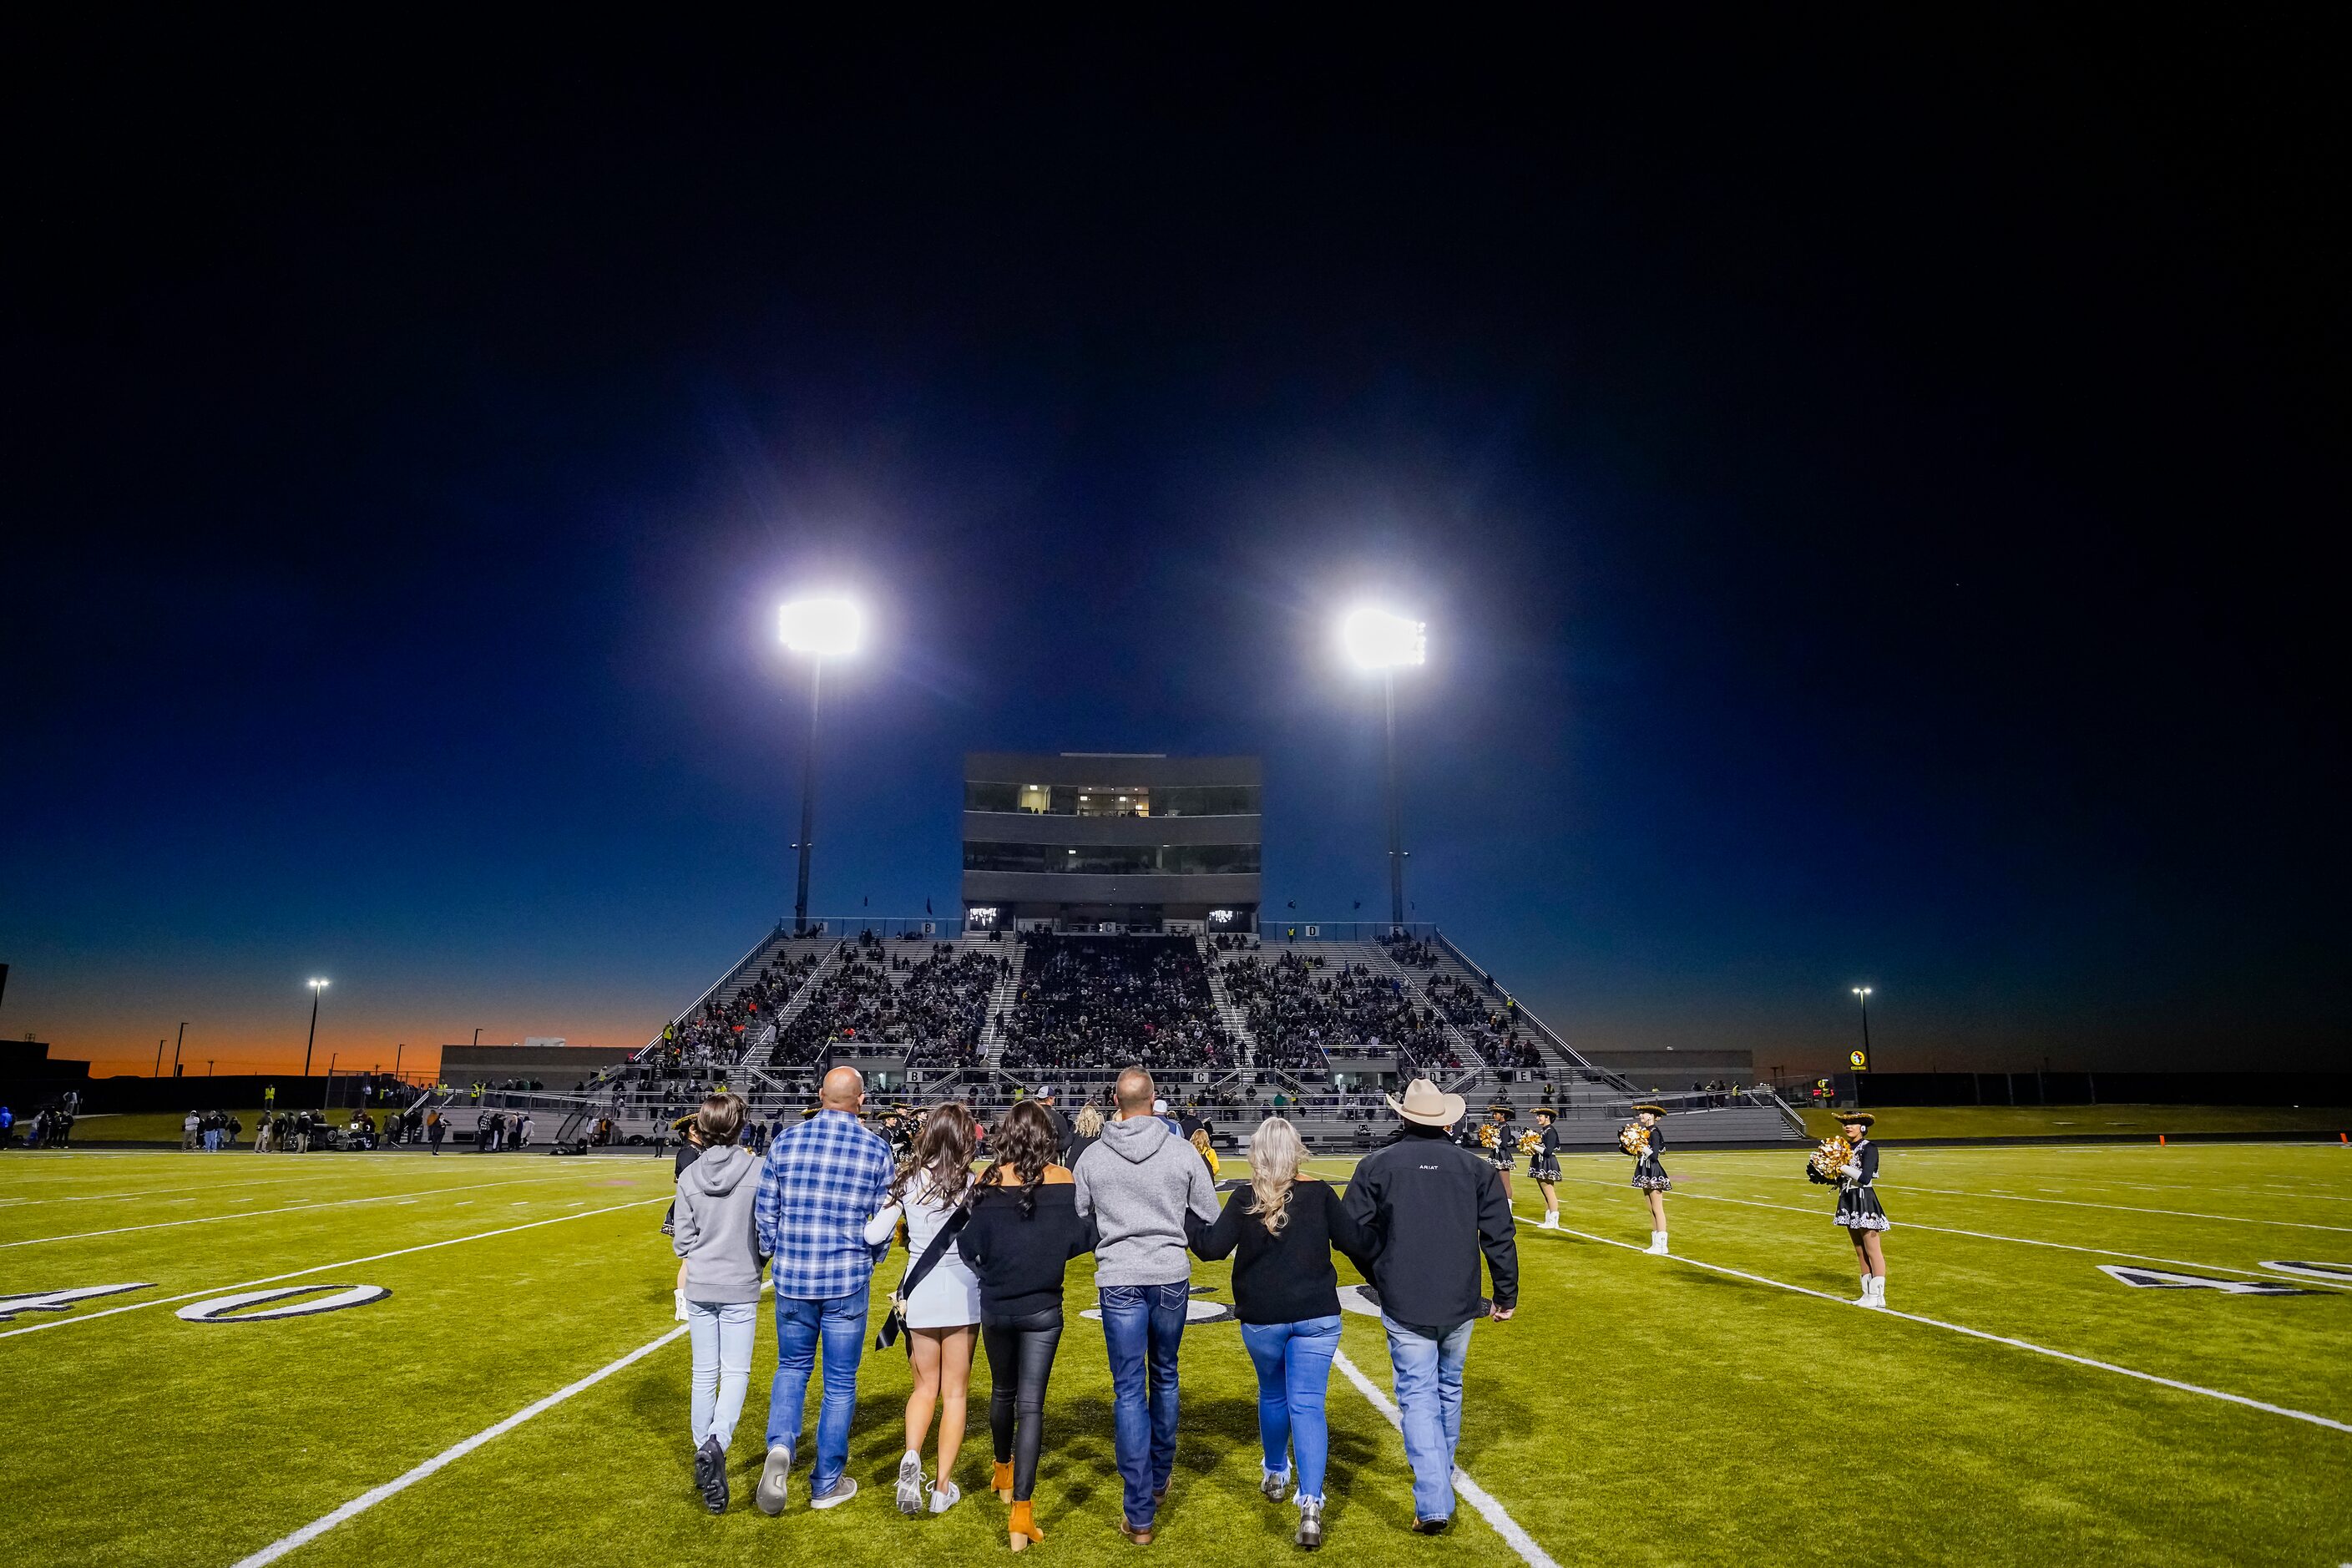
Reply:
x=1081 y=840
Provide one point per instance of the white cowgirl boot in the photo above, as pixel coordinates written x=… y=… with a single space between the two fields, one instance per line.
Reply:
x=1864 y=1299
x=1878 y=1289
x=1550 y=1220
x=1657 y=1243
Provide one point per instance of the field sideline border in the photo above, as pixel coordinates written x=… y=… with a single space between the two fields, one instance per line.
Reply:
x=1973 y=1333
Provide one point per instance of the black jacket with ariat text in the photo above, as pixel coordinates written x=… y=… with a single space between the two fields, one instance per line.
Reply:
x=1428 y=1208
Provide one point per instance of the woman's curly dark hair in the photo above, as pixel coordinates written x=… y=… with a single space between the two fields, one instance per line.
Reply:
x=1023 y=1142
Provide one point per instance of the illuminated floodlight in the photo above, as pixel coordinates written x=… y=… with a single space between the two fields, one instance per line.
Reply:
x=1861 y=990
x=828 y=628
x=1376 y=639
x=318 y=985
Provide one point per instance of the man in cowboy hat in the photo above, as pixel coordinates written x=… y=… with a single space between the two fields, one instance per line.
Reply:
x=1429 y=1207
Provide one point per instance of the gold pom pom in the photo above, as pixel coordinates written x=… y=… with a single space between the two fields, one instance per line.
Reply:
x=1634 y=1140
x=1832 y=1157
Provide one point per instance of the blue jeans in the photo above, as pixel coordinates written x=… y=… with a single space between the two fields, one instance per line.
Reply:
x=1143 y=1327
x=1293 y=1368
x=1428 y=1367
x=840 y=1325
x=722 y=1337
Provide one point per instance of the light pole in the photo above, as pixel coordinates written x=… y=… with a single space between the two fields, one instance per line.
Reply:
x=398 y=1048
x=478 y=1034
x=316 y=987
x=175 y=1047
x=1376 y=639
x=823 y=629
x=1862 y=994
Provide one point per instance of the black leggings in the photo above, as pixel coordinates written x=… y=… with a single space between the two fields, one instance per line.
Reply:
x=1020 y=1359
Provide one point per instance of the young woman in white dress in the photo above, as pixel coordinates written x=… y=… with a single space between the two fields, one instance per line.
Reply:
x=943 y=1314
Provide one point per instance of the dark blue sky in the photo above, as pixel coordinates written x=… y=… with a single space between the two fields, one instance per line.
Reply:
x=1869 y=495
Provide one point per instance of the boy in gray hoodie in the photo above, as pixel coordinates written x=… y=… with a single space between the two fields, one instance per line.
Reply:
x=712 y=1229
x=1137 y=1183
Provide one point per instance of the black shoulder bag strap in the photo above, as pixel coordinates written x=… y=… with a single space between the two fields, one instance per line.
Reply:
x=917 y=1272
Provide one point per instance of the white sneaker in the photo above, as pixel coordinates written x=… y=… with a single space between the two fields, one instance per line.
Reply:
x=1657 y=1243
x=910 y=1483
x=843 y=1491
x=944 y=1498
x=775 y=1482
x=679 y=1297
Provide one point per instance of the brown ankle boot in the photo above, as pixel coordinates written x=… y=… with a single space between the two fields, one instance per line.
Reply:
x=1002 y=1480
x=1022 y=1527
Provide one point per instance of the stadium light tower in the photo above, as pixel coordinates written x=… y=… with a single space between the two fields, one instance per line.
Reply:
x=1862 y=994
x=1377 y=639
x=316 y=987
x=822 y=629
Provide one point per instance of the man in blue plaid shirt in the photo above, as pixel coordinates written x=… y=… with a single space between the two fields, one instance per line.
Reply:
x=821 y=1182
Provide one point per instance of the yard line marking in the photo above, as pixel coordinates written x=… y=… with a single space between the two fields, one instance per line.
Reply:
x=1973 y=1333
x=450 y=1455
x=2118 y=1209
x=304 y=1207
x=1953 y=1230
x=1490 y=1510
x=324 y=1269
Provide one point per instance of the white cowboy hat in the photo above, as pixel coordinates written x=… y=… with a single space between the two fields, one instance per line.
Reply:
x=1423 y=1103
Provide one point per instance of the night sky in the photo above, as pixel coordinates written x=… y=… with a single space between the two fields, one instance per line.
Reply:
x=1874 y=495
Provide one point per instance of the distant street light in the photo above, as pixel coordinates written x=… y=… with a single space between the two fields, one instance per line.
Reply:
x=478 y=1034
x=316 y=987
x=1376 y=639
x=822 y=629
x=1862 y=994
x=175 y=1047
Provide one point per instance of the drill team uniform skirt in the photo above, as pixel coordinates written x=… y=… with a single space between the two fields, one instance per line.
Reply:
x=1651 y=1176
x=1858 y=1209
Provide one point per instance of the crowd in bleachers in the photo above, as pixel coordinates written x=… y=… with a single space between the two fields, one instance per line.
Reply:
x=1304 y=1013
x=1114 y=1001
x=718 y=1033
x=938 y=1002
x=1494 y=1031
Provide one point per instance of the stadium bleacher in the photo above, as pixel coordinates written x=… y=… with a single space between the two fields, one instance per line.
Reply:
x=1312 y=1022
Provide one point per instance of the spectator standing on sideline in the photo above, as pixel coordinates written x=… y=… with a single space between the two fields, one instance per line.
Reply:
x=1427 y=1209
x=188 y=1126
x=1084 y=1133
x=1287 y=1294
x=721 y=1260
x=1137 y=1185
x=435 y=1129
x=819 y=1185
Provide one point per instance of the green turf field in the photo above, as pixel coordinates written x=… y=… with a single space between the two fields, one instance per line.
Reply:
x=1897 y=1124
x=1639 y=1410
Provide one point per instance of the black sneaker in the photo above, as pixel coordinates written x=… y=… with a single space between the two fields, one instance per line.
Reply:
x=1431 y=1526
x=711 y=1475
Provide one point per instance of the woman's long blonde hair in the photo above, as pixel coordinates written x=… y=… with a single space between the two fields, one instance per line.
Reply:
x=1090 y=1122
x=1274 y=1155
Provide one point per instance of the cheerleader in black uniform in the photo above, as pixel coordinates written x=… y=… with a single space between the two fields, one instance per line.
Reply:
x=1544 y=1166
x=1495 y=1141
x=1859 y=1210
x=1649 y=1176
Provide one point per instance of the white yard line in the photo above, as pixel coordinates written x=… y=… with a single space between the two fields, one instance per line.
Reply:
x=2116 y=1208
x=158 y=1191
x=1954 y=1230
x=258 y=1214
x=325 y=1268
x=1977 y=1334
x=1477 y=1497
x=450 y=1455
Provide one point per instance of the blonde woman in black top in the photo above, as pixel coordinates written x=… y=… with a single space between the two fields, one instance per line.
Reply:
x=1285 y=1225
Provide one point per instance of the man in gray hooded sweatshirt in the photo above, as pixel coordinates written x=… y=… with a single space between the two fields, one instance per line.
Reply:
x=1136 y=1183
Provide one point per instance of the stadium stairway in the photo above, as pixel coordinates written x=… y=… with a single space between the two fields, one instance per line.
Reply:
x=1229 y=1011
x=1000 y=1006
